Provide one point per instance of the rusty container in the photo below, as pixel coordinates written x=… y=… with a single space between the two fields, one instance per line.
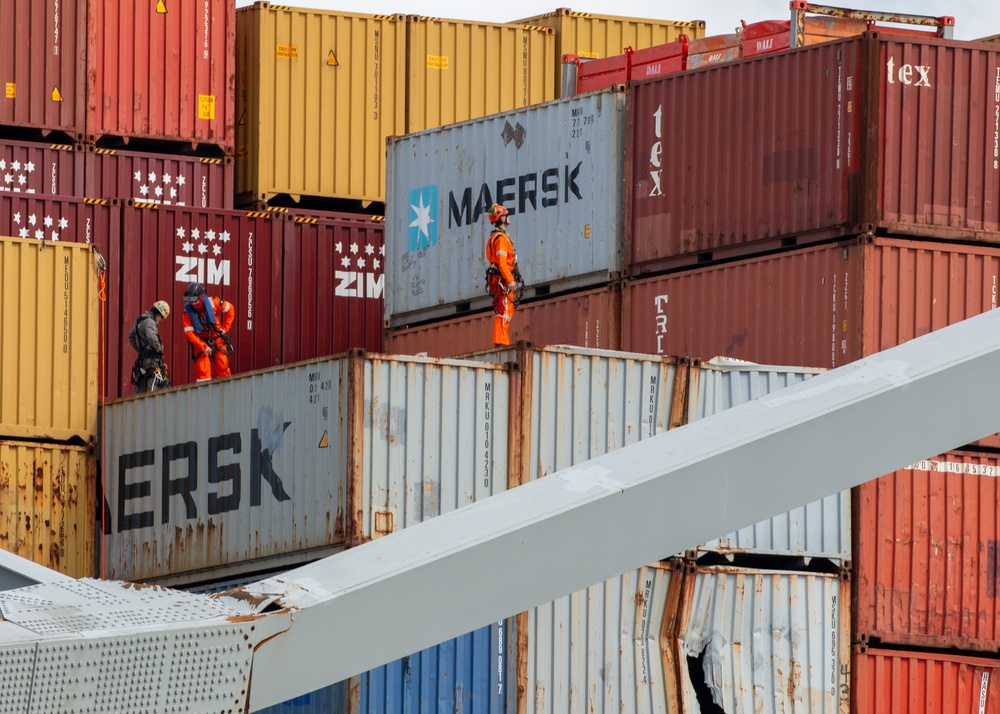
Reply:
x=906 y=682
x=585 y=319
x=926 y=554
x=892 y=133
x=47 y=495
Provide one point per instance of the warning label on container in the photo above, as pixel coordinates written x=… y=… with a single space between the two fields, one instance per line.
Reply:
x=11 y=90
x=589 y=55
x=437 y=62
x=206 y=106
x=56 y=95
x=331 y=59
x=288 y=51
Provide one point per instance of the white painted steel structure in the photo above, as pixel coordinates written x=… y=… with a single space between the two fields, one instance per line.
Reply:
x=313 y=626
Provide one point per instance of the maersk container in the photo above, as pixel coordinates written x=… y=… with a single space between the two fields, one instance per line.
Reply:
x=821 y=529
x=333 y=285
x=592 y=36
x=764 y=642
x=460 y=69
x=926 y=562
x=604 y=650
x=158 y=179
x=586 y=319
x=557 y=168
x=887 y=133
x=914 y=682
x=282 y=466
x=49 y=333
x=317 y=95
x=41 y=169
x=47 y=495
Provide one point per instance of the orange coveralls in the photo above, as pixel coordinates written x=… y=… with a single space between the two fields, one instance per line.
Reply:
x=225 y=316
x=500 y=252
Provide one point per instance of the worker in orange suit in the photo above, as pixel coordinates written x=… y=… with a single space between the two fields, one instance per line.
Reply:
x=503 y=277
x=206 y=321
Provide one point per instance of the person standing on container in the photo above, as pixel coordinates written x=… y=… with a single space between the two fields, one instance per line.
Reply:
x=502 y=274
x=206 y=322
x=149 y=371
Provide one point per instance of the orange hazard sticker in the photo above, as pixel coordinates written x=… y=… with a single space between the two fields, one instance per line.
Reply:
x=206 y=106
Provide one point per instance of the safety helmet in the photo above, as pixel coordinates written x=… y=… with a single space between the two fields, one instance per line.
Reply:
x=497 y=212
x=163 y=308
x=193 y=292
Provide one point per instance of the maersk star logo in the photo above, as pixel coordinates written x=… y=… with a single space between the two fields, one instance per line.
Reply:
x=423 y=215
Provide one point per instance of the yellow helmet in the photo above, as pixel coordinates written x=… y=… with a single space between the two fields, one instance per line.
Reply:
x=162 y=307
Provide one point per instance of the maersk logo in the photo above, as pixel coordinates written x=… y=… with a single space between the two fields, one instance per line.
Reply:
x=423 y=215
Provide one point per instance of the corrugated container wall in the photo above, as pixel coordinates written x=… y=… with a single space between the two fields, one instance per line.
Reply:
x=158 y=179
x=42 y=65
x=334 y=452
x=458 y=70
x=47 y=496
x=49 y=332
x=821 y=529
x=764 y=642
x=76 y=220
x=586 y=319
x=887 y=681
x=41 y=169
x=604 y=650
x=545 y=164
x=591 y=35
x=895 y=133
x=318 y=94
x=161 y=71
x=334 y=280
x=926 y=554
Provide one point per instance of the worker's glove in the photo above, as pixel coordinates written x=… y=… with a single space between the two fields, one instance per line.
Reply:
x=511 y=287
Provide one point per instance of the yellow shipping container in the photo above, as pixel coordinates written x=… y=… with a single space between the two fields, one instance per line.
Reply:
x=48 y=329
x=47 y=496
x=317 y=94
x=594 y=36
x=459 y=70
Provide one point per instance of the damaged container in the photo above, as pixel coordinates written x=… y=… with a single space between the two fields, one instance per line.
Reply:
x=284 y=466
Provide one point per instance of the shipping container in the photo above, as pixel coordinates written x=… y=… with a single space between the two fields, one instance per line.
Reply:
x=926 y=554
x=606 y=650
x=713 y=50
x=334 y=280
x=880 y=132
x=158 y=179
x=318 y=93
x=594 y=36
x=336 y=452
x=776 y=35
x=47 y=496
x=461 y=69
x=596 y=74
x=764 y=642
x=235 y=255
x=41 y=169
x=585 y=319
x=89 y=69
x=49 y=333
x=546 y=164
x=821 y=529
x=906 y=682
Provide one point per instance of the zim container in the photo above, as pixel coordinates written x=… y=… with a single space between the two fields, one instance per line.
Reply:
x=47 y=494
x=887 y=133
x=39 y=169
x=49 y=331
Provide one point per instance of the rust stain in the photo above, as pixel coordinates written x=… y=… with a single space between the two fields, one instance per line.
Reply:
x=39 y=479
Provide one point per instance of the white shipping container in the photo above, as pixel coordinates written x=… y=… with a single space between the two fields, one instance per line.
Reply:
x=557 y=167
x=764 y=642
x=277 y=467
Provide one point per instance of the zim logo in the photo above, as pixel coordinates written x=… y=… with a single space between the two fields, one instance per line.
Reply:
x=423 y=213
x=202 y=262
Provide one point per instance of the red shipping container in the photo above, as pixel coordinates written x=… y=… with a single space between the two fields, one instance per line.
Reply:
x=77 y=220
x=92 y=68
x=158 y=179
x=596 y=74
x=41 y=169
x=894 y=682
x=926 y=555
x=584 y=319
x=235 y=255
x=333 y=285
x=775 y=35
x=713 y=50
x=881 y=131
